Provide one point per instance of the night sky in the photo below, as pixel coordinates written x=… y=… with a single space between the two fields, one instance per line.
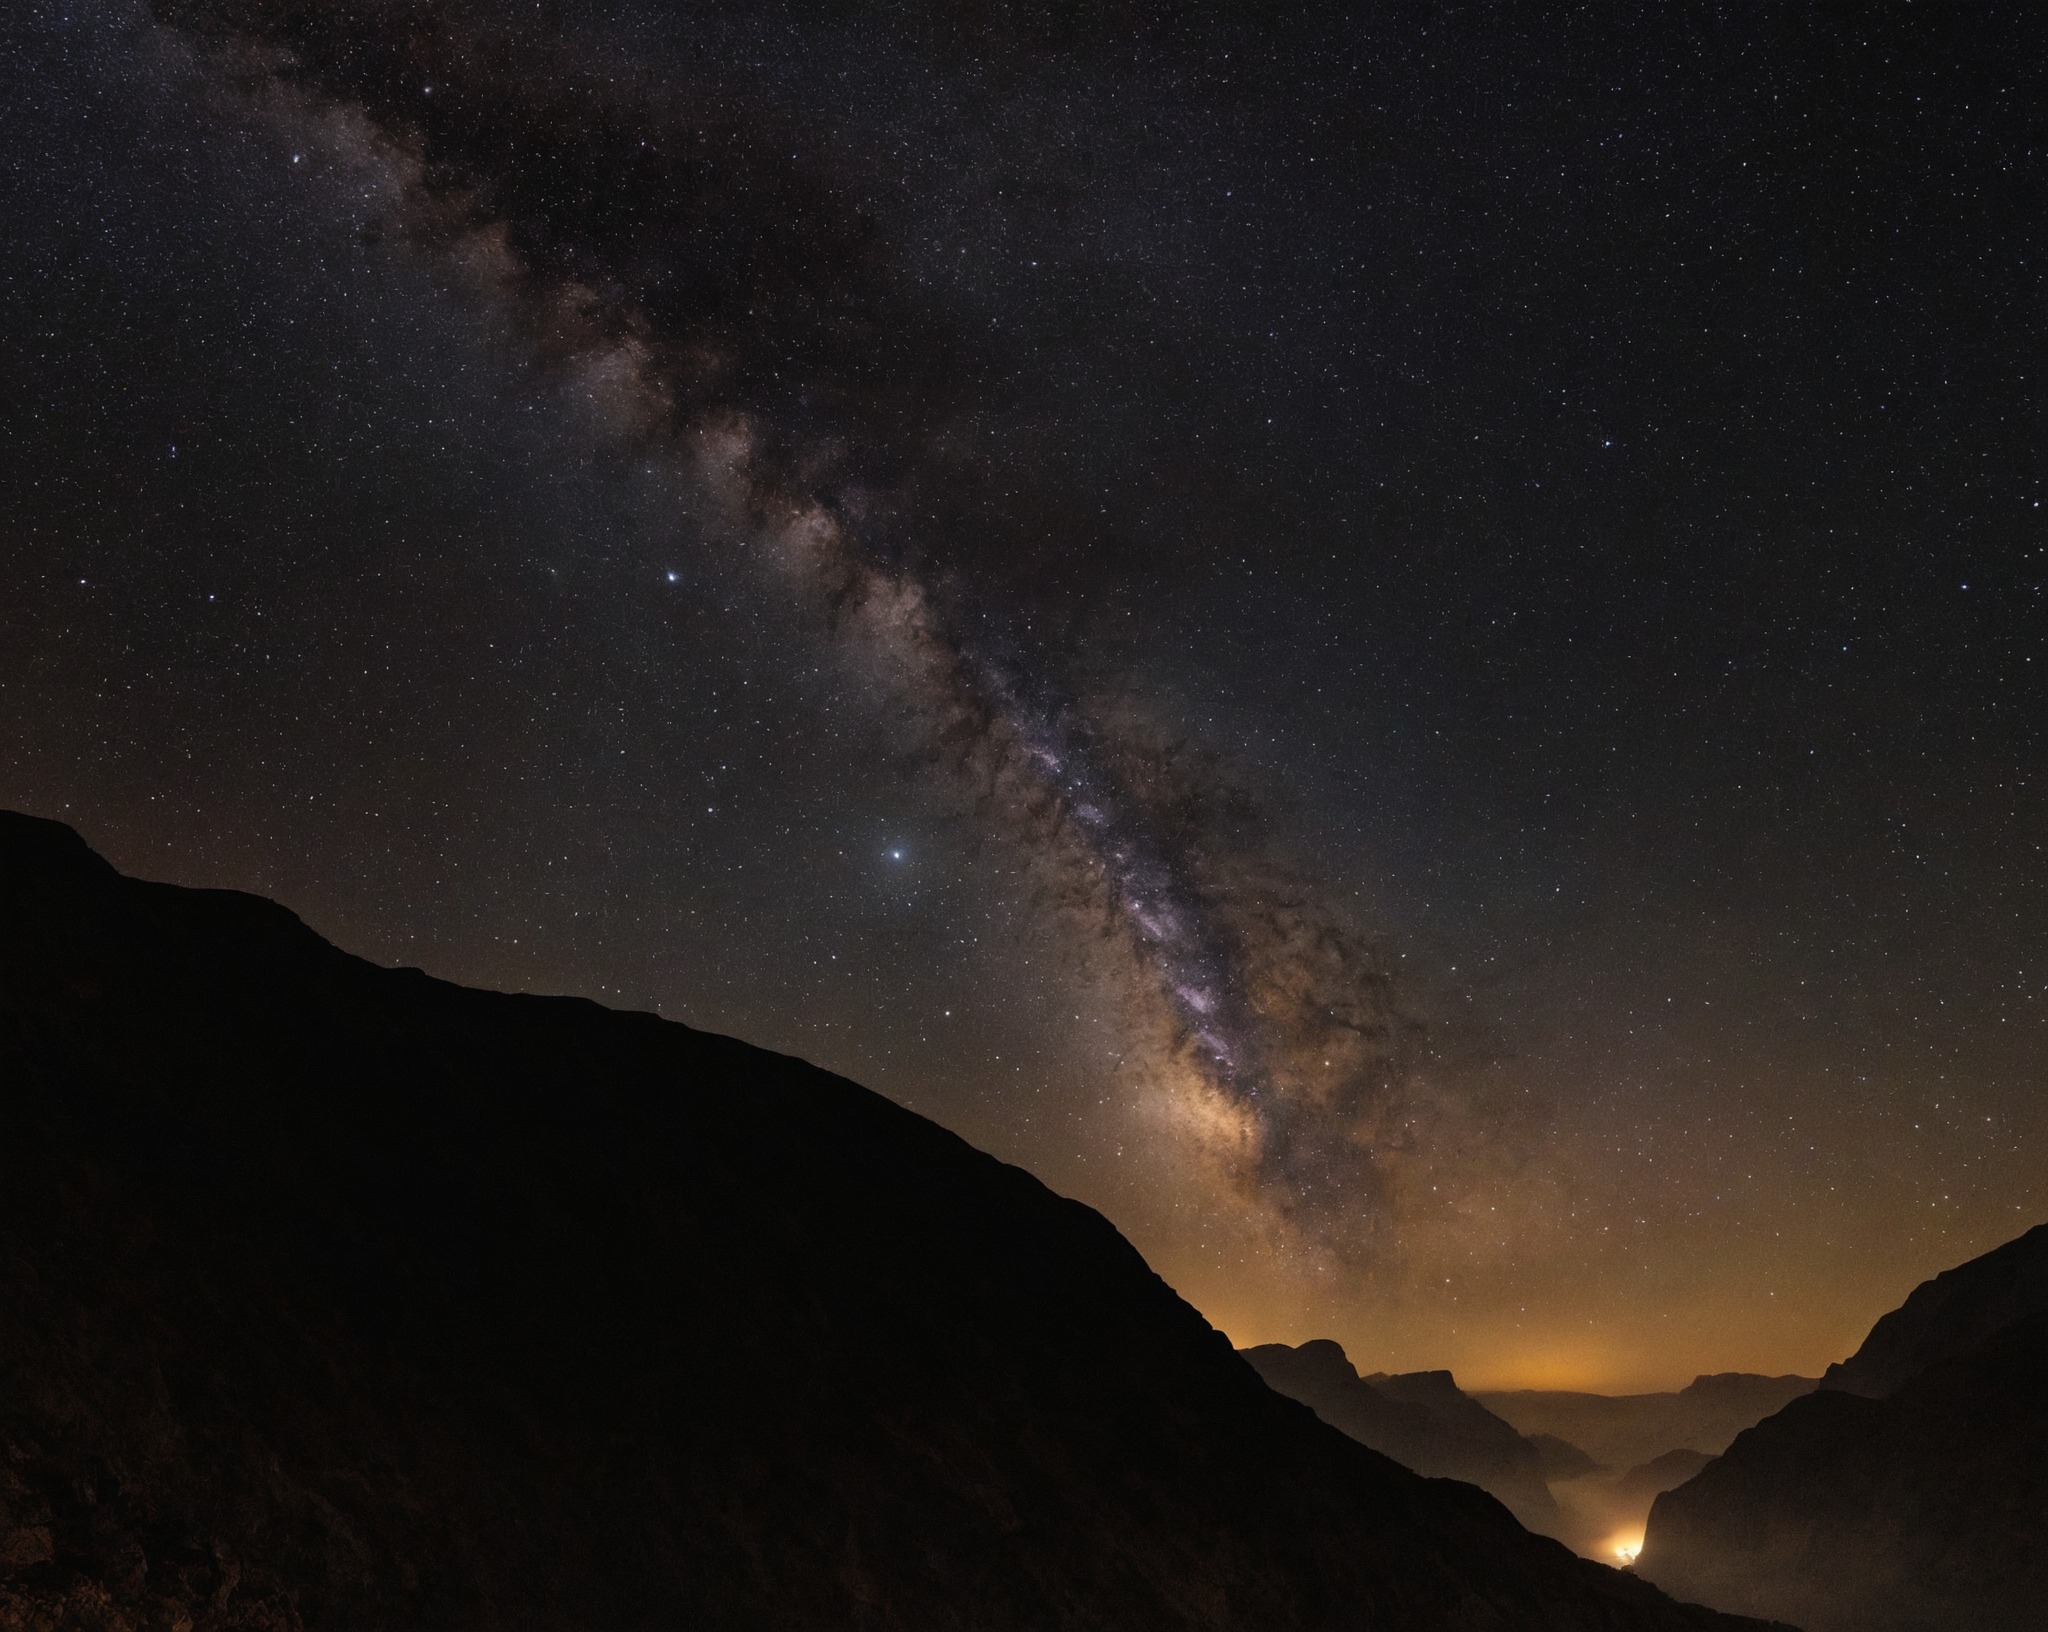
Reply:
x=1406 y=648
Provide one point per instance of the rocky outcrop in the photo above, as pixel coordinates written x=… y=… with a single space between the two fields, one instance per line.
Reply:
x=1421 y=1419
x=1627 y=1430
x=1948 y=1316
x=335 y=1297
x=1924 y=1510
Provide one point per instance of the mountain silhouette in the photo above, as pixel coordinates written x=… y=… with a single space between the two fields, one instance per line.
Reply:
x=334 y=1296
x=1420 y=1419
x=1908 y=1494
x=1949 y=1315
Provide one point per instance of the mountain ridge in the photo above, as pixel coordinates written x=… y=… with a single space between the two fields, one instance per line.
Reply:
x=346 y=1298
x=1627 y=1430
x=1910 y=1494
x=1948 y=1315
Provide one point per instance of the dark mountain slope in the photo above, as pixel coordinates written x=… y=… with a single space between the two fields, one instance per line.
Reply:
x=1923 y=1512
x=1949 y=1315
x=1908 y=1494
x=1421 y=1419
x=332 y=1296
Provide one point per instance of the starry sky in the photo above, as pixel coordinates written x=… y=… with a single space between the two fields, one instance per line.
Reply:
x=1402 y=644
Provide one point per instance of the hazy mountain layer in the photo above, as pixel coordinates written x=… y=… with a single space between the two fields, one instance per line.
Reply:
x=1661 y=1473
x=1605 y=1512
x=1421 y=1419
x=1562 y=1459
x=1626 y=1430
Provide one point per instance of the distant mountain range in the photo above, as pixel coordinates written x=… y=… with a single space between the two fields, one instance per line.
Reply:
x=1909 y=1493
x=333 y=1296
x=1627 y=1430
x=1426 y=1422
x=1421 y=1419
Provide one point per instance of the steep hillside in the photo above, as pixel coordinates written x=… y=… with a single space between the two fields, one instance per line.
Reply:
x=1923 y=1512
x=1910 y=1492
x=336 y=1297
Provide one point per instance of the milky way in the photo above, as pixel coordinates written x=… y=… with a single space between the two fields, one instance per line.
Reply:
x=1089 y=566
x=732 y=311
